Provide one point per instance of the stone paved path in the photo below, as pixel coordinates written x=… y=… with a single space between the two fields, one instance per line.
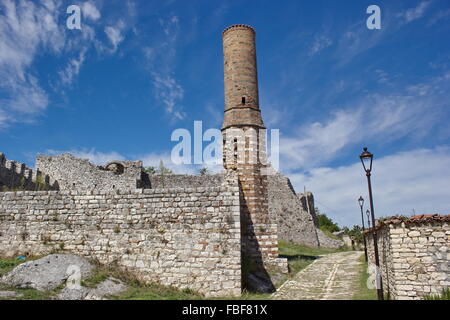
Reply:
x=330 y=277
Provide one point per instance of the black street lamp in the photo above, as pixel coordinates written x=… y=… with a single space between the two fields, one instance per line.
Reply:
x=368 y=220
x=366 y=160
x=361 y=203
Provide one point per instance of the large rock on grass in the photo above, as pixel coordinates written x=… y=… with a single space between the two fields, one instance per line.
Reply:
x=47 y=273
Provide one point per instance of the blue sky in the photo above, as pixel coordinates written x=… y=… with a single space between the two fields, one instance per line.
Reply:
x=137 y=70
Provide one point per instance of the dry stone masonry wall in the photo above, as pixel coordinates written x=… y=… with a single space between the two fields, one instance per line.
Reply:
x=80 y=174
x=185 y=180
x=294 y=223
x=15 y=174
x=185 y=237
x=414 y=255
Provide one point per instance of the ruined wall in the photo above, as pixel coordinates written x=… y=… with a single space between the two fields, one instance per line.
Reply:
x=327 y=242
x=185 y=180
x=14 y=174
x=414 y=255
x=80 y=174
x=307 y=200
x=187 y=238
x=294 y=223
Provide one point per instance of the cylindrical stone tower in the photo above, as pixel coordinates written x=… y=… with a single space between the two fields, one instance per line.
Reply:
x=240 y=77
x=244 y=152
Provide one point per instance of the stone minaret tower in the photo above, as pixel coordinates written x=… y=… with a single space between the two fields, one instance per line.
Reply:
x=244 y=151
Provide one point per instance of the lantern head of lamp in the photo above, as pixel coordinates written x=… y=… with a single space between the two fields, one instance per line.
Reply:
x=361 y=201
x=366 y=160
x=368 y=215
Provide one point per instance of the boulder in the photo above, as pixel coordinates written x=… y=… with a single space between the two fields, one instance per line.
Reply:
x=108 y=287
x=47 y=273
x=73 y=294
x=9 y=294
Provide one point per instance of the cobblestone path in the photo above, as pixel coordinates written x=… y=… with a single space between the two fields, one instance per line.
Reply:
x=330 y=277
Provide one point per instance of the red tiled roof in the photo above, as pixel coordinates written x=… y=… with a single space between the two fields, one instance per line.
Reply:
x=416 y=219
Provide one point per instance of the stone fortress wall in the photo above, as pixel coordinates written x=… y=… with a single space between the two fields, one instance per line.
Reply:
x=184 y=180
x=80 y=174
x=215 y=233
x=15 y=174
x=295 y=224
x=414 y=255
x=287 y=208
x=184 y=237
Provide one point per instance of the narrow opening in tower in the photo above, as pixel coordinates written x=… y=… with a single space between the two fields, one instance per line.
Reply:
x=235 y=150
x=224 y=152
x=243 y=100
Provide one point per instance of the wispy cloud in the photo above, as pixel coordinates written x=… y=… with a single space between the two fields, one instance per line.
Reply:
x=25 y=28
x=401 y=182
x=414 y=13
x=386 y=117
x=115 y=34
x=90 y=11
x=169 y=92
x=73 y=68
x=438 y=16
x=320 y=43
x=29 y=29
x=160 y=58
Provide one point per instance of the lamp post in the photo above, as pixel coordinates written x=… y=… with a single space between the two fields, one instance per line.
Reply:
x=361 y=203
x=366 y=160
x=368 y=215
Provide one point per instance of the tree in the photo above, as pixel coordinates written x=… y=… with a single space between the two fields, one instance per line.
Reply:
x=162 y=170
x=325 y=223
x=150 y=170
x=356 y=233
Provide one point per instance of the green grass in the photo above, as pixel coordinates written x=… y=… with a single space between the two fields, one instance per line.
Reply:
x=299 y=257
x=445 y=295
x=330 y=234
x=362 y=291
x=156 y=292
x=6 y=265
x=137 y=290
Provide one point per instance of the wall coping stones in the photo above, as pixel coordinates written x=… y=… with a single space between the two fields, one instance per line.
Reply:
x=395 y=220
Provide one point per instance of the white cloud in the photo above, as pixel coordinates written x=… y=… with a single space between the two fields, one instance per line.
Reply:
x=89 y=11
x=416 y=179
x=320 y=43
x=115 y=34
x=160 y=58
x=169 y=92
x=384 y=117
x=73 y=68
x=414 y=13
x=25 y=28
